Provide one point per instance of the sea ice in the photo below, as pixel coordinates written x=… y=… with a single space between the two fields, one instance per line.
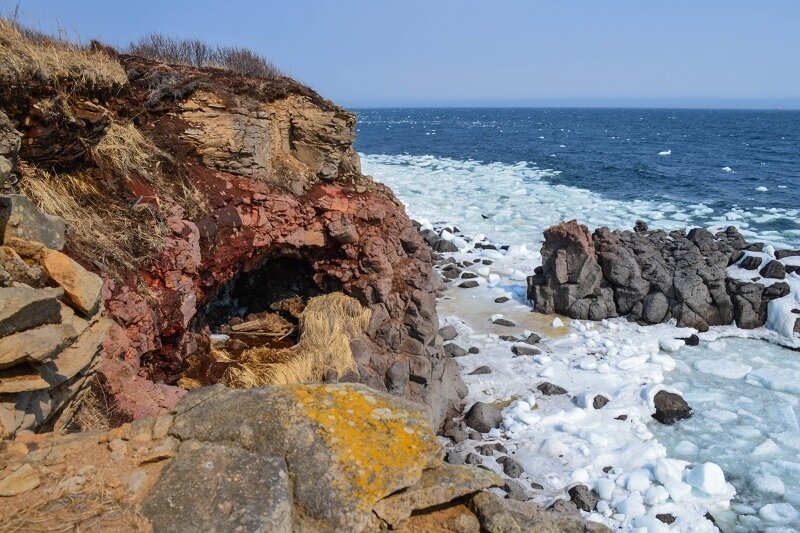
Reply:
x=707 y=477
x=779 y=513
x=723 y=368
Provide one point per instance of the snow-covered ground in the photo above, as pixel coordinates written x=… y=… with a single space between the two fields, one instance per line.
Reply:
x=562 y=440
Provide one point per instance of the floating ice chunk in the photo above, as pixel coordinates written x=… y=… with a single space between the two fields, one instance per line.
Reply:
x=761 y=189
x=776 y=378
x=518 y=275
x=605 y=488
x=723 y=368
x=446 y=235
x=650 y=524
x=632 y=506
x=483 y=271
x=638 y=481
x=769 y=484
x=665 y=152
x=779 y=513
x=707 y=477
x=686 y=448
x=768 y=447
x=656 y=495
x=496 y=316
x=553 y=447
x=557 y=323
x=667 y=470
x=580 y=476
x=460 y=242
x=671 y=345
x=727 y=169
x=493 y=278
x=678 y=490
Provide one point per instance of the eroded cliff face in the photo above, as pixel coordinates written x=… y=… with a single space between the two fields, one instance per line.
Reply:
x=249 y=171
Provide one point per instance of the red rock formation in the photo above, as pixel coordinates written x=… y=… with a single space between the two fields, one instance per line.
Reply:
x=272 y=173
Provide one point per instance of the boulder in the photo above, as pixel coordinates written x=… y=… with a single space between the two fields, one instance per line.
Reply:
x=20 y=218
x=583 y=497
x=448 y=333
x=670 y=407
x=511 y=468
x=452 y=349
x=24 y=308
x=774 y=269
x=483 y=417
x=751 y=262
x=82 y=288
x=549 y=389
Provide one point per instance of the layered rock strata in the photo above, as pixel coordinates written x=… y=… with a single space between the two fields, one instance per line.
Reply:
x=649 y=276
x=51 y=331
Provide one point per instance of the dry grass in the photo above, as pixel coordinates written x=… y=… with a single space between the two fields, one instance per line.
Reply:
x=30 y=59
x=118 y=235
x=94 y=411
x=327 y=325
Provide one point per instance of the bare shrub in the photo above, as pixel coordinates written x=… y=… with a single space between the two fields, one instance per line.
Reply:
x=200 y=54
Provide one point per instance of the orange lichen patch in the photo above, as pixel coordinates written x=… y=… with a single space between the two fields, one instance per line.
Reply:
x=380 y=448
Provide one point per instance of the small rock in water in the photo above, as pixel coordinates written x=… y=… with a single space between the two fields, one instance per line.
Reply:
x=503 y=322
x=583 y=498
x=774 y=269
x=480 y=371
x=666 y=518
x=454 y=458
x=471 y=284
x=670 y=407
x=501 y=299
x=469 y=275
x=511 y=468
x=454 y=431
x=487 y=261
x=448 y=333
x=692 y=340
x=515 y=491
x=473 y=350
x=452 y=349
x=525 y=350
x=536 y=486
x=640 y=226
x=599 y=401
x=751 y=262
x=621 y=417
x=508 y=338
x=489 y=449
x=473 y=459
x=445 y=246
x=533 y=338
x=549 y=389
x=483 y=417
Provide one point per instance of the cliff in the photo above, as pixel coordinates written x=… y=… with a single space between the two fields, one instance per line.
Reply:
x=204 y=198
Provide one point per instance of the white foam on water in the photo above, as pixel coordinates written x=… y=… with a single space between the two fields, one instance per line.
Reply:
x=515 y=203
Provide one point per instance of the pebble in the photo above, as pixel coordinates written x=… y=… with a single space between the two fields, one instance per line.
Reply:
x=471 y=284
x=480 y=371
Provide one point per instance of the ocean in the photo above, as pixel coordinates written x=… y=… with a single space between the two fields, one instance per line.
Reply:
x=508 y=174
x=671 y=168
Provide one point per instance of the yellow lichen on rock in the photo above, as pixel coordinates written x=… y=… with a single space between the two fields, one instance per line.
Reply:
x=380 y=447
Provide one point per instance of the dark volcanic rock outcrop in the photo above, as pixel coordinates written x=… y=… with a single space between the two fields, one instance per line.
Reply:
x=650 y=276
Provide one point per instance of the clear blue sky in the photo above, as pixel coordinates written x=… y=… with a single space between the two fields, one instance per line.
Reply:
x=720 y=53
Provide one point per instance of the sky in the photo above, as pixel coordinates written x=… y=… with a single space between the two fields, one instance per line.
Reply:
x=359 y=53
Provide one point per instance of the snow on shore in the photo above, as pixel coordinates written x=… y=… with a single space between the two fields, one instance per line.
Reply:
x=563 y=440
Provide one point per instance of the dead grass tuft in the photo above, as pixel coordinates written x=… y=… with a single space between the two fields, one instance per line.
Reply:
x=327 y=325
x=119 y=236
x=28 y=58
x=93 y=509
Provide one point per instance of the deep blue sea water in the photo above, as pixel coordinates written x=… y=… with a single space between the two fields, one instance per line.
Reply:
x=723 y=160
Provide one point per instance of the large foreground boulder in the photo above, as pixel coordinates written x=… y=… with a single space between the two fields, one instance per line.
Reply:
x=336 y=457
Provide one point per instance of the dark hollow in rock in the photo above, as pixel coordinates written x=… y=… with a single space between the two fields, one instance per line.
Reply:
x=670 y=407
x=583 y=498
x=483 y=417
x=774 y=269
x=501 y=299
x=599 y=401
x=448 y=333
x=471 y=284
x=751 y=262
x=481 y=370
x=452 y=349
x=549 y=389
x=511 y=468
x=503 y=322
x=525 y=350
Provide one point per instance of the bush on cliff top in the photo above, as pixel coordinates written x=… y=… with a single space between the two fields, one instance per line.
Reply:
x=31 y=58
x=197 y=53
